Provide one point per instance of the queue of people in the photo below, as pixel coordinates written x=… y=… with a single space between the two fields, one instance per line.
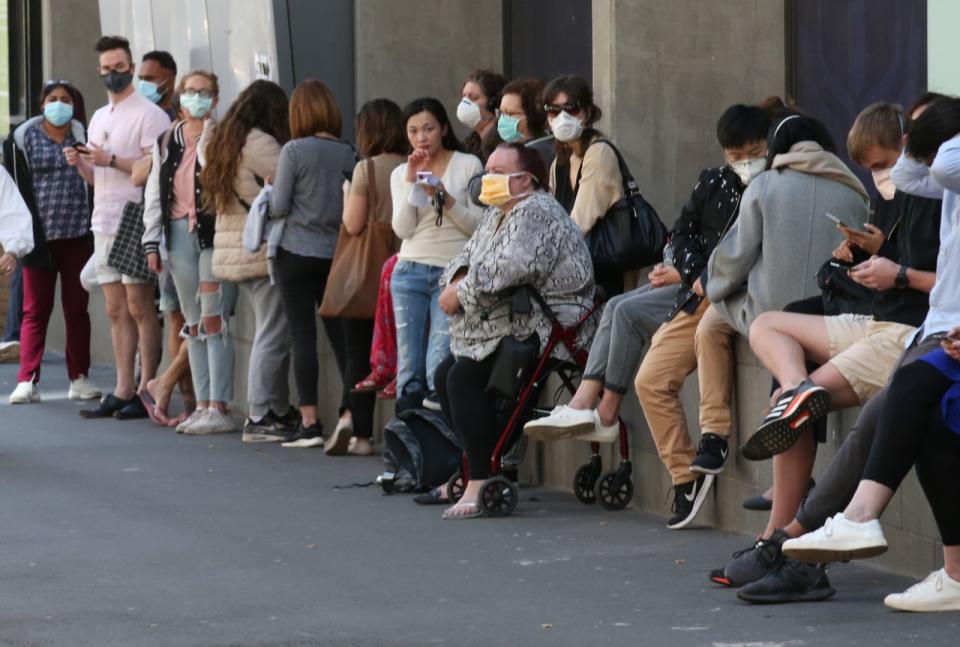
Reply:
x=838 y=293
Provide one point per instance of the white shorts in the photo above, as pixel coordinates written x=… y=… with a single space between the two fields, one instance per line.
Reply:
x=102 y=244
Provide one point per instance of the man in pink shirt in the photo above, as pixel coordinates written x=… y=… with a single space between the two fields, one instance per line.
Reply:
x=121 y=133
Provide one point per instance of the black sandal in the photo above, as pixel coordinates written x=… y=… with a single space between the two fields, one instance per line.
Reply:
x=433 y=497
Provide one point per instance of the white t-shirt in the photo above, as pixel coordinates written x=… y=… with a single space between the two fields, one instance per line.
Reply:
x=123 y=129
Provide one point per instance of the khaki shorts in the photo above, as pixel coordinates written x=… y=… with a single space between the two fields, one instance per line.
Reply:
x=102 y=244
x=866 y=351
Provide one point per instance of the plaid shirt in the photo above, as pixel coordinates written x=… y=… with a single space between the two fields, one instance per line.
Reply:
x=60 y=192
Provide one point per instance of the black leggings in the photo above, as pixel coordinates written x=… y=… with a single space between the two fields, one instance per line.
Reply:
x=302 y=281
x=461 y=383
x=912 y=432
x=353 y=361
x=811 y=306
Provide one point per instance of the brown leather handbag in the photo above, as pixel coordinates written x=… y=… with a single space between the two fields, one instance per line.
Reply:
x=355 y=272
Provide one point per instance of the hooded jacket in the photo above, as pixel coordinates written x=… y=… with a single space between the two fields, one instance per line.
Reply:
x=770 y=257
x=18 y=166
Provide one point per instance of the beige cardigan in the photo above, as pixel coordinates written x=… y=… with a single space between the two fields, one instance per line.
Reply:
x=601 y=185
x=231 y=262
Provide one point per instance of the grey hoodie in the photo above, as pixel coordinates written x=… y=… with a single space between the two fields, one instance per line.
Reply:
x=770 y=257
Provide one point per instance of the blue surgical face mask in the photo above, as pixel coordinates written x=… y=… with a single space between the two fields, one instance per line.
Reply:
x=508 y=129
x=57 y=112
x=149 y=90
x=195 y=105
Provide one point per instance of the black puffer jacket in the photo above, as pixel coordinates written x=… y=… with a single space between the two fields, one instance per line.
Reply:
x=708 y=214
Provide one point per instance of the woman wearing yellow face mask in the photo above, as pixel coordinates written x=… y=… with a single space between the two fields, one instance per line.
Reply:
x=524 y=238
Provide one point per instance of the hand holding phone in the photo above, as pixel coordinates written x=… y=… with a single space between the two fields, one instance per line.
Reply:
x=428 y=178
x=839 y=223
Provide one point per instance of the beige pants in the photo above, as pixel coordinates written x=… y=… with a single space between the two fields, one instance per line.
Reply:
x=671 y=358
x=714 y=347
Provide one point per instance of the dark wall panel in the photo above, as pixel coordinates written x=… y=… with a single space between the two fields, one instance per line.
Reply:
x=847 y=54
x=547 y=39
x=315 y=41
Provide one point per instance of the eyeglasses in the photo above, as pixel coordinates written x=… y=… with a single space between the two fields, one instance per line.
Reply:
x=572 y=108
x=203 y=94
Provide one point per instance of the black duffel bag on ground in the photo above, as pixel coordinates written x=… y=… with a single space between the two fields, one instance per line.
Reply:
x=630 y=235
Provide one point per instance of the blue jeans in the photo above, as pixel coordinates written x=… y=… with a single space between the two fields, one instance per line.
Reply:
x=423 y=335
x=211 y=355
x=11 y=331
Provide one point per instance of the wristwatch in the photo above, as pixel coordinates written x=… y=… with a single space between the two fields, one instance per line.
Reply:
x=113 y=161
x=902 y=281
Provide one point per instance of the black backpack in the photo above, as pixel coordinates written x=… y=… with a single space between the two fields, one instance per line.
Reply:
x=422 y=451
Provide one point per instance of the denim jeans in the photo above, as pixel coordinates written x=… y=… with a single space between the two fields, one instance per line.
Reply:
x=211 y=355
x=423 y=336
x=626 y=327
x=11 y=331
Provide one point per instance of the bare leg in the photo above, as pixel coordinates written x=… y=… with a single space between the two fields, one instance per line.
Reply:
x=469 y=502
x=179 y=354
x=791 y=476
x=869 y=501
x=609 y=407
x=586 y=395
x=784 y=341
x=123 y=334
x=951 y=561
x=308 y=413
x=140 y=304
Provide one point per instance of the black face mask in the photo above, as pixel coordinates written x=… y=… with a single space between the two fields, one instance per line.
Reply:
x=116 y=81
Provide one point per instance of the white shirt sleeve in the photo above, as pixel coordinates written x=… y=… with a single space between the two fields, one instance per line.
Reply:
x=16 y=223
x=913 y=177
x=152 y=214
x=945 y=170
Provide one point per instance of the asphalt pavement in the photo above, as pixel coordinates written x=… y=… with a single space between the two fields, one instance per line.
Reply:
x=122 y=533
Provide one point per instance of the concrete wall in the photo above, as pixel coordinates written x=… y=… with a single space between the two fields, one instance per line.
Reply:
x=70 y=30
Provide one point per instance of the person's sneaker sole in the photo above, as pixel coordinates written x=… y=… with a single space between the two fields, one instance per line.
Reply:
x=827 y=555
x=304 y=443
x=777 y=436
x=550 y=432
x=718 y=576
x=812 y=595
x=696 y=469
x=697 y=504
x=196 y=430
x=338 y=442
x=74 y=395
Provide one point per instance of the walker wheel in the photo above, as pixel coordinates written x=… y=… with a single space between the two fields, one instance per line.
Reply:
x=583 y=483
x=455 y=487
x=614 y=490
x=498 y=497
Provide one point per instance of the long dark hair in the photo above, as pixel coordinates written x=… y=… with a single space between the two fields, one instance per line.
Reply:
x=262 y=104
x=435 y=108
x=79 y=110
x=938 y=123
x=796 y=128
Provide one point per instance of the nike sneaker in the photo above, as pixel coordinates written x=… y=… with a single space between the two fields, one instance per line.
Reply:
x=687 y=501
x=711 y=455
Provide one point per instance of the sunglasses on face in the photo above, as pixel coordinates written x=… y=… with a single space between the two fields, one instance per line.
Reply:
x=52 y=82
x=572 y=108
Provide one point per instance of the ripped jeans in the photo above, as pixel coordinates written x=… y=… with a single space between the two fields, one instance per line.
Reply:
x=423 y=335
x=211 y=355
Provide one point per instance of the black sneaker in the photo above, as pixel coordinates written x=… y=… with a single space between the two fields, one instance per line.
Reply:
x=304 y=437
x=431 y=401
x=792 y=581
x=687 y=499
x=711 y=455
x=794 y=410
x=134 y=410
x=751 y=564
x=271 y=428
x=108 y=406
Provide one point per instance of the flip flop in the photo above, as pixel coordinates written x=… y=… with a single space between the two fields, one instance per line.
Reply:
x=151 y=406
x=477 y=512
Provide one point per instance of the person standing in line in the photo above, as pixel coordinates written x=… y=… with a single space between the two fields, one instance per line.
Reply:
x=174 y=212
x=120 y=134
x=434 y=217
x=16 y=225
x=157 y=78
x=308 y=197
x=58 y=198
x=238 y=155
x=383 y=147
x=477 y=110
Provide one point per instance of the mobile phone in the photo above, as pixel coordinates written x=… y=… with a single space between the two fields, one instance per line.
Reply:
x=426 y=177
x=348 y=176
x=80 y=148
x=839 y=223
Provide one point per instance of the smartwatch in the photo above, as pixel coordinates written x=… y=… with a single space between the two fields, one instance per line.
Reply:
x=901 y=281
x=113 y=161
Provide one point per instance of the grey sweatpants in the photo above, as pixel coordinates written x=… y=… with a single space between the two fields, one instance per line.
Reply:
x=268 y=375
x=626 y=327
x=835 y=489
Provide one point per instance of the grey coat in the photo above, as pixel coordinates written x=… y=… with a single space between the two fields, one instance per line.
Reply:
x=770 y=257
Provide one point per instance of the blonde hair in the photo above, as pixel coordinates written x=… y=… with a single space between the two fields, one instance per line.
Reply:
x=879 y=124
x=210 y=76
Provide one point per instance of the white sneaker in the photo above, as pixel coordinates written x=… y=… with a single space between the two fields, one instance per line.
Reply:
x=212 y=422
x=601 y=433
x=83 y=389
x=191 y=420
x=563 y=422
x=939 y=592
x=25 y=393
x=9 y=352
x=339 y=441
x=838 y=540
